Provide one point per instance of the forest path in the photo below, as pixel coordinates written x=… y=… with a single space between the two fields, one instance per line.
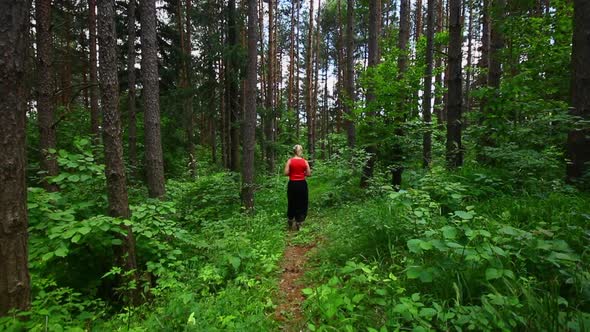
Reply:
x=290 y=299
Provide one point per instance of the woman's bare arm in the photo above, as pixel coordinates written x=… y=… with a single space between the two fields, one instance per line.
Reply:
x=287 y=167
x=308 y=169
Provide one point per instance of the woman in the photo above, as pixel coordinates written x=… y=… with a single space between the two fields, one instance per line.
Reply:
x=297 y=169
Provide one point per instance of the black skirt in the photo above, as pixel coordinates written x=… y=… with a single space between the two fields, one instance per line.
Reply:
x=297 y=196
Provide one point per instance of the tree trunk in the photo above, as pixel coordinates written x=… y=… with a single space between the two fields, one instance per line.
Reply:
x=151 y=100
x=373 y=60
x=45 y=102
x=297 y=80
x=496 y=44
x=15 y=287
x=438 y=80
x=233 y=104
x=469 y=70
x=454 y=119
x=418 y=26
x=578 y=141
x=341 y=69
x=249 y=131
x=309 y=82
x=269 y=112
x=94 y=111
x=397 y=152
x=131 y=80
x=427 y=102
x=112 y=137
x=349 y=77
x=292 y=60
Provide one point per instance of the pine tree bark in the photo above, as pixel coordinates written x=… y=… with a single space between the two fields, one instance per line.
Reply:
x=151 y=100
x=292 y=60
x=15 y=287
x=112 y=136
x=403 y=39
x=427 y=102
x=131 y=82
x=269 y=112
x=469 y=70
x=578 y=141
x=309 y=82
x=249 y=132
x=349 y=77
x=45 y=100
x=496 y=44
x=373 y=60
x=94 y=111
x=454 y=148
x=231 y=85
x=438 y=80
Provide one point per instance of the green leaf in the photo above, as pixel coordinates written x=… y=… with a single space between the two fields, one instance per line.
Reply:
x=357 y=298
x=74 y=178
x=235 y=262
x=464 y=215
x=426 y=275
x=116 y=242
x=47 y=256
x=427 y=313
x=492 y=273
x=414 y=245
x=61 y=252
x=84 y=230
x=426 y=245
x=76 y=238
x=449 y=232
x=307 y=291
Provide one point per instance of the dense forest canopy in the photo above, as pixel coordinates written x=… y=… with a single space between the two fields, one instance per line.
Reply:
x=142 y=146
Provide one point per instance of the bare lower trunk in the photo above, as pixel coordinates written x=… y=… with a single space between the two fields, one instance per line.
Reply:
x=45 y=102
x=454 y=148
x=249 y=132
x=94 y=111
x=131 y=80
x=15 y=287
x=349 y=77
x=151 y=100
x=112 y=136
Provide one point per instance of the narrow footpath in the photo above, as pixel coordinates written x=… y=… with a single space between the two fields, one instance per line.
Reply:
x=289 y=312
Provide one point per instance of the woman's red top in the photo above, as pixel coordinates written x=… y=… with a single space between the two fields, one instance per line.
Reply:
x=297 y=168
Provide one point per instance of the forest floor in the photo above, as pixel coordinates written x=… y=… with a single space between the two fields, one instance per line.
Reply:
x=291 y=282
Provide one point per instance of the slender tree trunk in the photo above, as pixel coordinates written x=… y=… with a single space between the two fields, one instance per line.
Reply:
x=66 y=77
x=15 y=287
x=232 y=80
x=94 y=111
x=297 y=68
x=112 y=137
x=249 y=131
x=291 y=60
x=438 y=79
x=402 y=64
x=309 y=83
x=131 y=80
x=454 y=120
x=349 y=77
x=496 y=44
x=578 y=140
x=373 y=60
x=186 y=42
x=469 y=70
x=151 y=100
x=341 y=69
x=418 y=26
x=269 y=112
x=427 y=102
x=45 y=101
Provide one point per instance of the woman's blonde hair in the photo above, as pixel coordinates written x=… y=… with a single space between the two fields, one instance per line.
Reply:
x=297 y=150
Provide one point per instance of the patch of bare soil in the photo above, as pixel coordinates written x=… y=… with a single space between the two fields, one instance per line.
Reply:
x=288 y=312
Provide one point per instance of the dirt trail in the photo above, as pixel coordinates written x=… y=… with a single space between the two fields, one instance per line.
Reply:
x=288 y=312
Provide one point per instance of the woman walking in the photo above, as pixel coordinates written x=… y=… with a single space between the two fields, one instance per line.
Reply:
x=297 y=169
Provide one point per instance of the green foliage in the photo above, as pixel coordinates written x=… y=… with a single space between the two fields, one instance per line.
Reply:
x=448 y=255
